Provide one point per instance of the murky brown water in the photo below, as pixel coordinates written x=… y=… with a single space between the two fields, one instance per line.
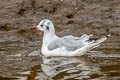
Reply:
x=95 y=65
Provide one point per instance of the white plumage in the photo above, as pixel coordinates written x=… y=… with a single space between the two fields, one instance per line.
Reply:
x=65 y=46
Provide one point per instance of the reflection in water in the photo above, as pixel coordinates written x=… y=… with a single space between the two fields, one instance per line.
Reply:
x=70 y=68
x=93 y=66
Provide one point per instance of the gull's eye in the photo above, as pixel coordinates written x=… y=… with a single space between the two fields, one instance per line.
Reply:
x=41 y=25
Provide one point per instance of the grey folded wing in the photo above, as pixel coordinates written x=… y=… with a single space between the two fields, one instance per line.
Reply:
x=58 y=43
x=70 y=42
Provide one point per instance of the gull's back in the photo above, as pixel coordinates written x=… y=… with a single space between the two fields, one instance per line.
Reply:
x=70 y=42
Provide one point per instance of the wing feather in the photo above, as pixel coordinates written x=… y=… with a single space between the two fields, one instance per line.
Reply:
x=70 y=42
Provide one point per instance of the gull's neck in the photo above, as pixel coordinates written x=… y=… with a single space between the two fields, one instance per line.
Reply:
x=48 y=37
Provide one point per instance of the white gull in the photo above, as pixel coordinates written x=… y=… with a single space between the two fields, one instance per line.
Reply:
x=65 y=46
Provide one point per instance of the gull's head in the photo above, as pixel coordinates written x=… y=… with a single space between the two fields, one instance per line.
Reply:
x=45 y=25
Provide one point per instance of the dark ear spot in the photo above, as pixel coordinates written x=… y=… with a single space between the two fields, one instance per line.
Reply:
x=42 y=25
x=47 y=27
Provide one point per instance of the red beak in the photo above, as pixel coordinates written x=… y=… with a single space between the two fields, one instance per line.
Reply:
x=35 y=27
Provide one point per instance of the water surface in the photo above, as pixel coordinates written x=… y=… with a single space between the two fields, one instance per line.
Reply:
x=94 y=65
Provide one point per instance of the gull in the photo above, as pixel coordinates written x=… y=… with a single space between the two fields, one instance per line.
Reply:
x=54 y=45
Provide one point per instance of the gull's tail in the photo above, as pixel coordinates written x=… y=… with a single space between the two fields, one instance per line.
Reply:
x=90 y=46
x=98 y=41
x=102 y=39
